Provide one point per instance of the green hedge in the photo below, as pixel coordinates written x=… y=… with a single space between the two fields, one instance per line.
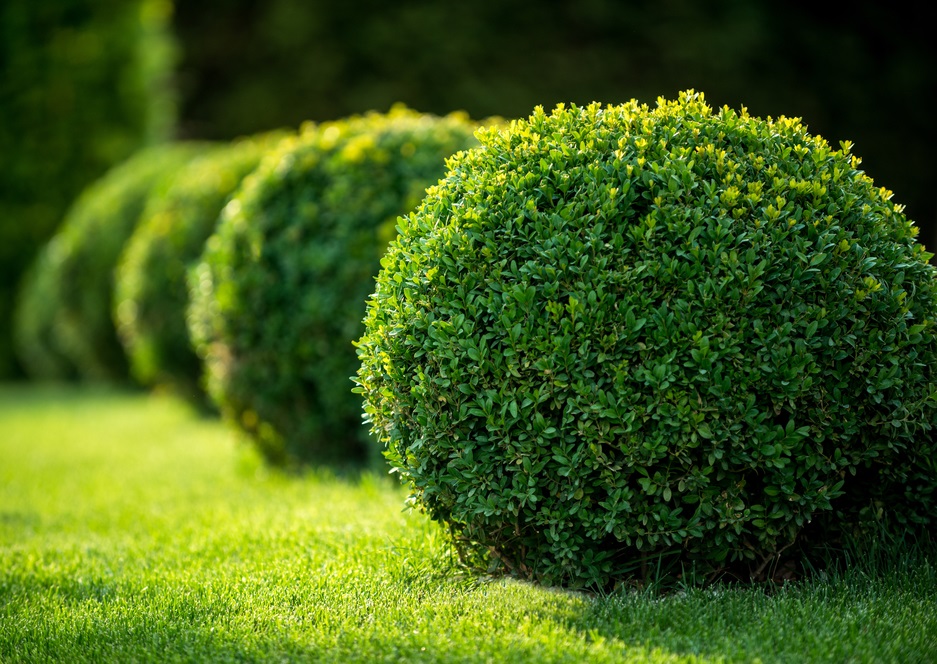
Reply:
x=619 y=335
x=150 y=290
x=280 y=292
x=70 y=307
x=83 y=84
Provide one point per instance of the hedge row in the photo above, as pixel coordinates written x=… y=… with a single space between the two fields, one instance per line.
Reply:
x=67 y=304
x=150 y=283
x=601 y=340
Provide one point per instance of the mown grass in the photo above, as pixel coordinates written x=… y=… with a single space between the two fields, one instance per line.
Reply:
x=133 y=530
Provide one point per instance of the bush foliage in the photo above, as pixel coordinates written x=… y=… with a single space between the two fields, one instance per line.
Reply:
x=279 y=295
x=614 y=334
x=151 y=295
x=69 y=307
x=83 y=84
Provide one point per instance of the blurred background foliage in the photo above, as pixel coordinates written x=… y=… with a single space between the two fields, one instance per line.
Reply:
x=866 y=73
x=83 y=85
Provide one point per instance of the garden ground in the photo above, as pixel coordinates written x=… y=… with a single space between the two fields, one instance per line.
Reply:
x=132 y=529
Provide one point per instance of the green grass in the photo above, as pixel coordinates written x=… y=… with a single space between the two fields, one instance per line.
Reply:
x=133 y=530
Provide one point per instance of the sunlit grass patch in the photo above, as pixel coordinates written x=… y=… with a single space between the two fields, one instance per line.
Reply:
x=131 y=529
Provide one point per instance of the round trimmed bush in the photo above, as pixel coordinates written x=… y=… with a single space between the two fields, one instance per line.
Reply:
x=619 y=334
x=88 y=245
x=151 y=295
x=281 y=290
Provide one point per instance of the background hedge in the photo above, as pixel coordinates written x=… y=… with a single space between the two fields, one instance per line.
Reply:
x=83 y=84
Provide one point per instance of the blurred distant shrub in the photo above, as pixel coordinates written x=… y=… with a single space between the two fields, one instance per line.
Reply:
x=150 y=288
x=280 y=293
x=69 y=306
x=83 y=83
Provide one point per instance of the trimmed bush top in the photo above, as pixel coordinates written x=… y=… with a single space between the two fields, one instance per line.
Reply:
x=280 y=293
x=617 y=332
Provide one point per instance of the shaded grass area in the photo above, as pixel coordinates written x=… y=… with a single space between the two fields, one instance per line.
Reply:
x=131 y=529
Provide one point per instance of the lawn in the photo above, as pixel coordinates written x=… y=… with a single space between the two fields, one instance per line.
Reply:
x=132 y=529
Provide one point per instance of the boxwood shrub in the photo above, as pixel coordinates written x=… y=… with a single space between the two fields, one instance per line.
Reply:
x=151 y=295
x=618 y=335
x=279 y=295
x=82 y=261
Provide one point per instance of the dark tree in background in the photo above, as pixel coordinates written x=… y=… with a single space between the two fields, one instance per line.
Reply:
x=866 y=74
